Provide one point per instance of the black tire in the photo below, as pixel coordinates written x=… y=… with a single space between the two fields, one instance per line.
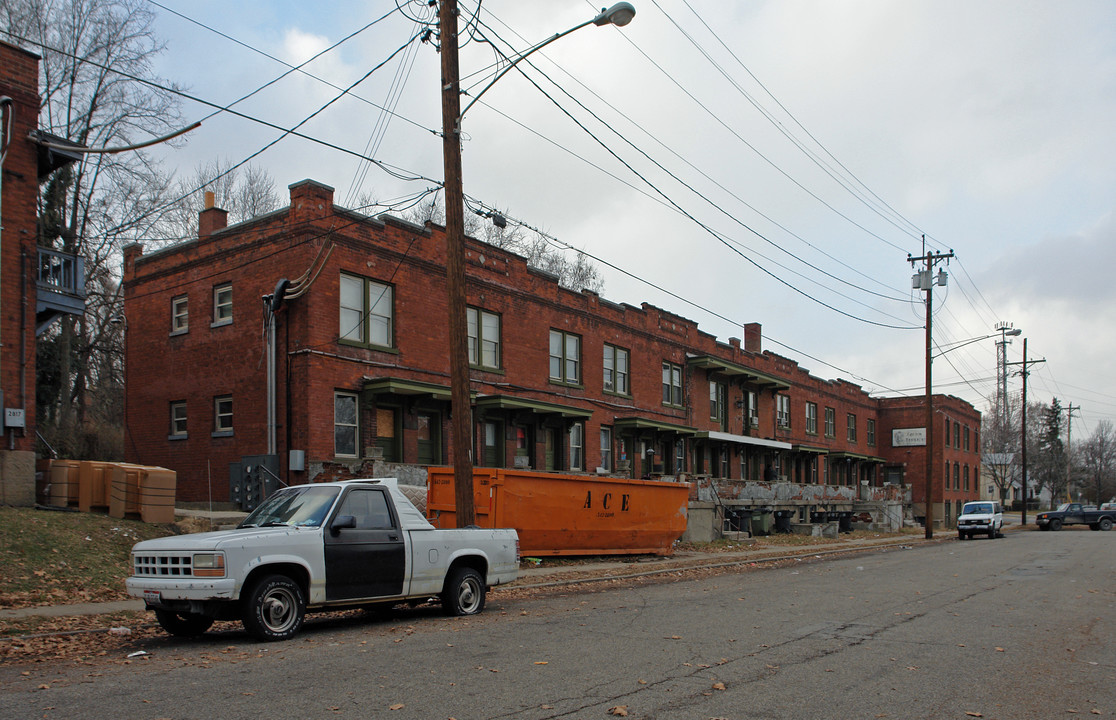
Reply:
x=1105 y=524
x=464 y=592
x=992 y=533
x=183 y=624
x=960 y=535
x=274 y=608
x=1056 y=524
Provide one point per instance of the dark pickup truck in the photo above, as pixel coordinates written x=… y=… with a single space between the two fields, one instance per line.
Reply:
x=1075 y=514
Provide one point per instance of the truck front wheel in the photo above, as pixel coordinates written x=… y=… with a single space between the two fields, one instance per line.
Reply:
x=464 y=592
x=274 y=608
x=183 y=624
x=1056 y=524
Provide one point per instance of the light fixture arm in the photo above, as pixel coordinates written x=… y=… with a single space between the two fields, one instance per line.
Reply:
x=619 y=14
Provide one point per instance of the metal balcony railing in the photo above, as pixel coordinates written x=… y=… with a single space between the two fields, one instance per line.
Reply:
x=60 y=284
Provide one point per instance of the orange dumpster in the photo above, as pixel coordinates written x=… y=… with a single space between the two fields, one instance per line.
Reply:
x=568 y=514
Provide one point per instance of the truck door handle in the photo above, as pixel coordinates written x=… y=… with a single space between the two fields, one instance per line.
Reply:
x=393 y=537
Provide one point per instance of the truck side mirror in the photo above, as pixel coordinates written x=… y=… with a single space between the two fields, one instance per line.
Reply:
x=342 y=522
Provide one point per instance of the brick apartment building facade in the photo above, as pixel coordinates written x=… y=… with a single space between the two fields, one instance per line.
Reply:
x=351 y=314
x=37 y=285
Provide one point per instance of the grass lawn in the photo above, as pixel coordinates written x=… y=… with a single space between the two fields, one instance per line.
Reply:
x=53 y=557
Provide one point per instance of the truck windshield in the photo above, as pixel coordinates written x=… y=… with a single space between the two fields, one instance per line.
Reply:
x=977 y=509
x=302 y=507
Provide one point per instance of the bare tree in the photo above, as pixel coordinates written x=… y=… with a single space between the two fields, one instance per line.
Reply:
x=1000 y=439
x=574 y=270
x=244 y=191
x=1097 y=461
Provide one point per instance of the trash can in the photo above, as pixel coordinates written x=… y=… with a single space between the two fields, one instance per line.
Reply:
x=819 y=516
x=762 y=521
x=738 y=519
x=844 y=522
x=783 y=520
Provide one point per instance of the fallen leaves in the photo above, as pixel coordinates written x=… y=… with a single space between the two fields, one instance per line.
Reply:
x=618 y=710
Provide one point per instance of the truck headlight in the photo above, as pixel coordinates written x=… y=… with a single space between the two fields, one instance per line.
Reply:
x=209 y=565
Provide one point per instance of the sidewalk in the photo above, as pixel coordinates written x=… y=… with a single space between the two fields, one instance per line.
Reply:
x=620 y=567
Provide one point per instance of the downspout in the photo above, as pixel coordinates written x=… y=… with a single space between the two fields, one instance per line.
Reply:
x=7 y=108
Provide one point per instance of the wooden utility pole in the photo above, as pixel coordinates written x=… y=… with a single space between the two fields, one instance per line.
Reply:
x=1024 y=372
x=924 y=281
x=1069 y=447
x=460 y=407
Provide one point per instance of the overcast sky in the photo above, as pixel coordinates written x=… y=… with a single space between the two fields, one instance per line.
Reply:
x=770 y=162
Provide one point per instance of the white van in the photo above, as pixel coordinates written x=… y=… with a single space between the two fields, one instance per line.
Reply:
x=983 y=517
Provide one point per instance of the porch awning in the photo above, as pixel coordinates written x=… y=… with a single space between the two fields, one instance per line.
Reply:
x=743 y=440
x=855 y=456
x=400 y=386
x=638 y=423
x=810 y=449
x=755 y=377
x=539 y=407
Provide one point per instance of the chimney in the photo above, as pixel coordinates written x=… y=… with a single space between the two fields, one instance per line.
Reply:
x=753 y=338
x=212 y=218
x=310 y=200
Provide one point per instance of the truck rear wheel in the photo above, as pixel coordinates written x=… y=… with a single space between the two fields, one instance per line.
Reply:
x=1105 y=524
x=183 y=624
x=274 y=608
x=464 y=592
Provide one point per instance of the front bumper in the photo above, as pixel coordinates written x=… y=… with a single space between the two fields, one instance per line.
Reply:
x=155 y=590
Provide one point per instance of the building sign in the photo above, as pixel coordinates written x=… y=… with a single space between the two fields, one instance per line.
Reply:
x=908 y=437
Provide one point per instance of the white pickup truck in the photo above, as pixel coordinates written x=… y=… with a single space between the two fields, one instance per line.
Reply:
x=324 y=546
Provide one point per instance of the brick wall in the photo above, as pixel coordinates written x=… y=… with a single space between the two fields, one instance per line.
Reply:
x=19 y=76
x=315 y=239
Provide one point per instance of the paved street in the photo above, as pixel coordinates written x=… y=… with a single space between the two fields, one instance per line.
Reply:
x=1018 y=627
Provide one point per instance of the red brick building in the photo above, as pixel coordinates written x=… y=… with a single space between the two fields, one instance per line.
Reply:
x=956 y=463
x=37 y=285
x=350 y=313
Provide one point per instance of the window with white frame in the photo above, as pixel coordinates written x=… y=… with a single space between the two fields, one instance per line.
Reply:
x=830 y=422
x=752 y=411
x=870 y=431
x=223 y=414
x=718 y=394
x=782 y=412
x=178 y=420
x=672 y=384
x=812 y=418
x=851 y=427
x=366 y=311
x=484 y=338
x=606 y=449
x=180 y=315
x=222 y=304
x=679 y=456
x=615 y=364
x=577 y=446
x=565 y=357
x=345 y=425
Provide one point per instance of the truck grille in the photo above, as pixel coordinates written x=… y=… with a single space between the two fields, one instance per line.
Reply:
x=164 y=565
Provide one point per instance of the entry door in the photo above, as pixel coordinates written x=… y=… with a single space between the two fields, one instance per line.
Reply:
x=550 y=437
x=428 y=433
x=368 y=560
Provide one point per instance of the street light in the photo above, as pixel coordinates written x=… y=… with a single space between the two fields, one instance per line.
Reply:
x=619 y=14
